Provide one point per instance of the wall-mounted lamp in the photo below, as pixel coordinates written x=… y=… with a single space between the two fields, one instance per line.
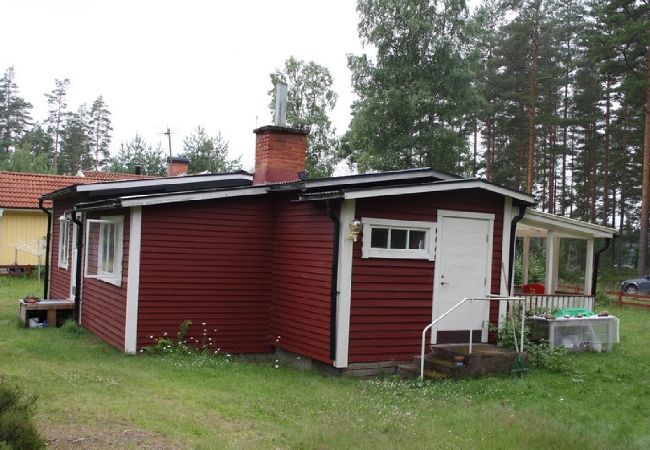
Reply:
x=355 y=228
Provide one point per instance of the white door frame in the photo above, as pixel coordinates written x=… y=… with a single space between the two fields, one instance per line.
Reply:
x=442 y=213
x=73 y=266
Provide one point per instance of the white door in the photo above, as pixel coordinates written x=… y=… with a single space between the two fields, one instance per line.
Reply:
x=462 y=270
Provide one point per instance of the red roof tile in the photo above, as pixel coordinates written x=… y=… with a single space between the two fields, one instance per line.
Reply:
x=112 y=176
x=22 y=190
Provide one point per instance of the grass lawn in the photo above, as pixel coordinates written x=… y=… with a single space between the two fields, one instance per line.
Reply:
x=92 y=396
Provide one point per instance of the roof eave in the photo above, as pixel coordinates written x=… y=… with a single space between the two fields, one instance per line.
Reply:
x=439 y=186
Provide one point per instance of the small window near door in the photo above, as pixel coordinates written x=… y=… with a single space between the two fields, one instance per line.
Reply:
x=104 y=249
x=405 y=239
x=64 y=243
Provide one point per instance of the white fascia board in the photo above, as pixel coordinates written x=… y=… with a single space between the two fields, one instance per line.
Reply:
x=158 y=182
x=439 y=186
x=143 y=200
x=372 y=178
x=565 y=226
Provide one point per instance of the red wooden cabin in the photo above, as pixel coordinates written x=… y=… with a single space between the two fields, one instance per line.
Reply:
x=268 y=263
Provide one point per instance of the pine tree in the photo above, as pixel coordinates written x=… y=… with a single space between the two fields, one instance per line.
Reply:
x=138 y=152
x=629 y=22
x=76 y=144
x=14 y=113
x=100 y=132
x=208 y=154
x=57 y=102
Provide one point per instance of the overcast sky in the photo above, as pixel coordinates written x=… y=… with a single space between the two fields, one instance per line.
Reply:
x=176 y=63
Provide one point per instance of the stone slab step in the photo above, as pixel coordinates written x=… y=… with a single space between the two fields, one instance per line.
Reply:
x=412 y=372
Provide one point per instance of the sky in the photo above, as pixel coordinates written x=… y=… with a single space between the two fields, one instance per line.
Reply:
x=176 y=63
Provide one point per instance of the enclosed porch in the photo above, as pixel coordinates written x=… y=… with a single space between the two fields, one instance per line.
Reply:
x=556 y=260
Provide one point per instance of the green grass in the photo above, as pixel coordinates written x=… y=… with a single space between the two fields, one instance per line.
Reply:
x=92 y=396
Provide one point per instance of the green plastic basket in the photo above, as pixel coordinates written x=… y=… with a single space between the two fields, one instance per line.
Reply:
x=574 y=312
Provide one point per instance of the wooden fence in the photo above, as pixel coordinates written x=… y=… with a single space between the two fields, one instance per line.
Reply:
x=635 y=300
x=557 y=301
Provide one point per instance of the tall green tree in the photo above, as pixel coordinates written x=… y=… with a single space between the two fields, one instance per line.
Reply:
x=37 y=141
x=207 y=153
x=310 y=101
x=100 y=132
x=138 y=152
x=629 y=22
x=58 y=105
x=76 y=144
x=14 y=112
x=416 y=96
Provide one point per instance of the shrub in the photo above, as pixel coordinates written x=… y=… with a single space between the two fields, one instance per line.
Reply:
x=602 y=299
x=71 y=328
x=542 y=356
x=17 y=429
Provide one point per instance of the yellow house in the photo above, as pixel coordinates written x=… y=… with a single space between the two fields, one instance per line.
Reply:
x=23 y=224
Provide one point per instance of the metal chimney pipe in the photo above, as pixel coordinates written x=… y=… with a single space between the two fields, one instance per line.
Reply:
x=280 y=116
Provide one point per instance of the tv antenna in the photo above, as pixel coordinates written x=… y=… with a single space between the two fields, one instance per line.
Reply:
x=168 y=133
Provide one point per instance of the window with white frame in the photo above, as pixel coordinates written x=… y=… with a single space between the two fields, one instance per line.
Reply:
x=104 y=249
x=64 y=242
x=405 y=239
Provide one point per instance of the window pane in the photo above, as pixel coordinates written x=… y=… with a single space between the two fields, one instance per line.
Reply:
x=107 y=247
x=416 y=239
x=379 y=238
x=398 y=239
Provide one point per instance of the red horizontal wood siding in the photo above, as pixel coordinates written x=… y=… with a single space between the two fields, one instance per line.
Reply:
x=392 y=298
x=302 y=271
x=103 y=305
x=209 y=262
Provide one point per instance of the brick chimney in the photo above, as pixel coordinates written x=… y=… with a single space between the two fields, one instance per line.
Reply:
x=177 y=165
x=279 y=154
x=279 y=150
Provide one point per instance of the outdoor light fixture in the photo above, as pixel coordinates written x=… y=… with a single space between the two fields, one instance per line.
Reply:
x=355 y=228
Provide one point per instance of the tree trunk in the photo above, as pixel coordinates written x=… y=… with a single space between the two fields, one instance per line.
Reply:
x=645 y=186
x=533 y=106
x=621 y=223
x=606 y=153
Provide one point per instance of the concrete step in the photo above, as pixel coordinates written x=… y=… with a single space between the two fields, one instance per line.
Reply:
x=408 y=371
x=412 y=372
x=443 y=366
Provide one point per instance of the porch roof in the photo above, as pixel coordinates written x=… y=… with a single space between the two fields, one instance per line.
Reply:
x=538 y=223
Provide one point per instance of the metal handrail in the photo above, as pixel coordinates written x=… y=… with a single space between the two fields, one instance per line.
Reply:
x=489 y=297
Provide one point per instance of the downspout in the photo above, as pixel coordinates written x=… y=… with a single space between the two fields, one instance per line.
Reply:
x=513 y=240
x=77 y=275
x=594 y=278
x=335 y=278
x=48 y=236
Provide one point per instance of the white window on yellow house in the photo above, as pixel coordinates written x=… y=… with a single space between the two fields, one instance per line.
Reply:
x=104 y=240
x=64 y=243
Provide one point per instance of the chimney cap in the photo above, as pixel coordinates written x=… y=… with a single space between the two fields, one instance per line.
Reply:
x=287 y=130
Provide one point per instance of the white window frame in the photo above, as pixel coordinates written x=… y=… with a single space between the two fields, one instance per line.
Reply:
x=428 y=252
x=115 y=275
x=64 y=243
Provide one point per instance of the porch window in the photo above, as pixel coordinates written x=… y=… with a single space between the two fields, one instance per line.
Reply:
x=104 y=249
x=64 y=243
x=405 y=239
